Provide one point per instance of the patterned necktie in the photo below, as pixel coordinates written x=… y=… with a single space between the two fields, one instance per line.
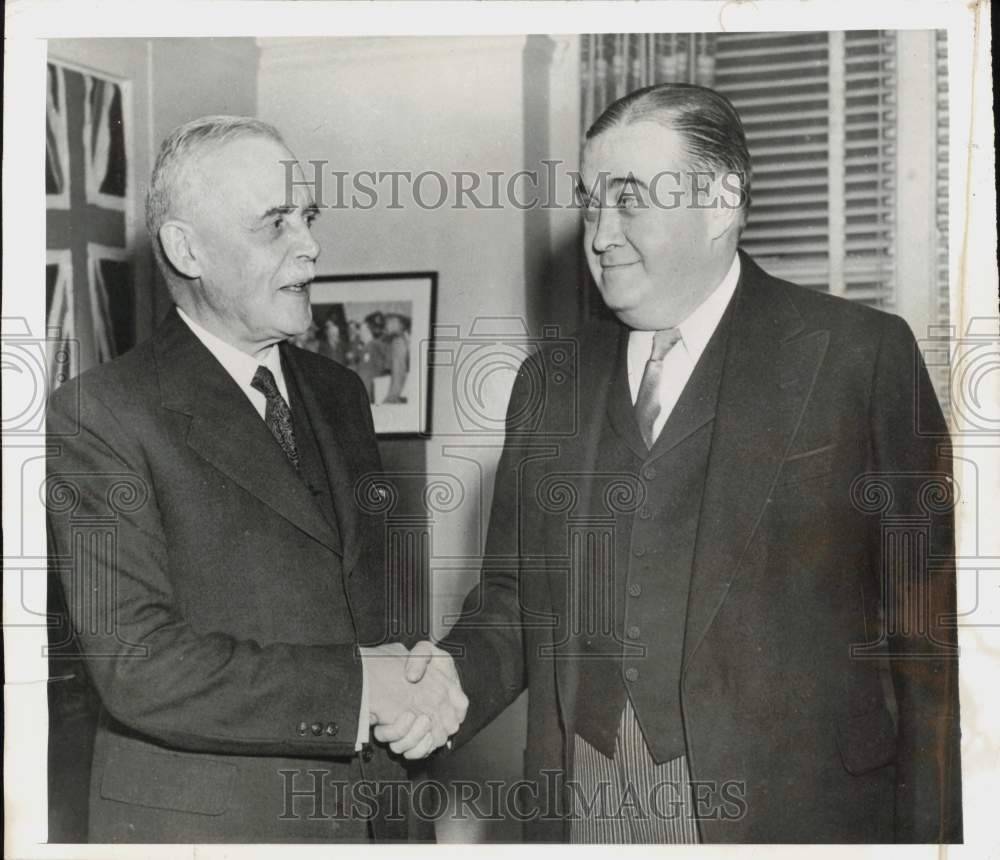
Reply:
x=647 y=403
x=277 y=415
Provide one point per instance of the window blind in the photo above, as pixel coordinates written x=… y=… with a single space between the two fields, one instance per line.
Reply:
x=941 y=154
x=869 y=167
x=818 y=112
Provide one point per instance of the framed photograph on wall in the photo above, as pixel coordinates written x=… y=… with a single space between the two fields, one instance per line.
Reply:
x=374 y=325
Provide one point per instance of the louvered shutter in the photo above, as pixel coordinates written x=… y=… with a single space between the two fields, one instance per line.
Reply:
x=943 y=311
x=779 y=83
x=818 y=112
x=869 y=167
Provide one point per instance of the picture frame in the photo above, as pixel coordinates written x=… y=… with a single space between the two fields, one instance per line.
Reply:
x=380 y=326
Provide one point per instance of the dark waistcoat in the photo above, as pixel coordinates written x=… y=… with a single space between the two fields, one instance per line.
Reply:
x=640 y=654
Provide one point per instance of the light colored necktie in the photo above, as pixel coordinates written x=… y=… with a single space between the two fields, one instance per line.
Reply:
x=647 y=404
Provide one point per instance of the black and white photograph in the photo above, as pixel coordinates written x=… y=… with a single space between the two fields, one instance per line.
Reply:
x=380 y=327
x=579 y=427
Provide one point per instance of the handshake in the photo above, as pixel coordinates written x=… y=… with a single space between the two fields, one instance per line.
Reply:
x=415 y=699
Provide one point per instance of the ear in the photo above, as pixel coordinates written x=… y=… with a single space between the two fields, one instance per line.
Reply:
x=176 y=239
x=728 y=215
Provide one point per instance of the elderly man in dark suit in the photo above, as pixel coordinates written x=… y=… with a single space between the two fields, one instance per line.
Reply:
x=206 y=514
x=720 y=555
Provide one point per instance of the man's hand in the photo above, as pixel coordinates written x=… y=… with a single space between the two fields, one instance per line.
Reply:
x=421 y=657
x=414 y=715
x=424 y=661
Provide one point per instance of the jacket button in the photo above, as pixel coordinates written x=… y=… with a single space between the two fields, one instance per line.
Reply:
x=639 y=551
x=645 y=514
x=332 y=729
x=367 y=752
x=649 y=473
x=316 y=729
x=633 y=632
x=631 y=674
x=635 y=589
x=303 y=728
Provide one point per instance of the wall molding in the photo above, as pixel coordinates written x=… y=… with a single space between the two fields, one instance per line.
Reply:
x=279 y=54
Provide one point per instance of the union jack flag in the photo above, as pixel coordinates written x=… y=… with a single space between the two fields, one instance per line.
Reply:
x=89 y=290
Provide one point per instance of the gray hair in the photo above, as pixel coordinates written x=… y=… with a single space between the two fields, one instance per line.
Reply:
x=183 y=143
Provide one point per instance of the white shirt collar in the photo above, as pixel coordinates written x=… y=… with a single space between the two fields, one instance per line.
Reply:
x=699 y=326
x=238 y=364
x=701 y=323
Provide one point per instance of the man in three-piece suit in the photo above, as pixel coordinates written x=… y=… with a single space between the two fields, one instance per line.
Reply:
x=227 y=584
x=720 y=553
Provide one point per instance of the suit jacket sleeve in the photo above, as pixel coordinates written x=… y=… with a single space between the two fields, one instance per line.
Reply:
x=201 y=691
x=487 y=642
x=909 y=432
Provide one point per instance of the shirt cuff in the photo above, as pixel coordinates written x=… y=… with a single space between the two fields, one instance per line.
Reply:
x=364 y=729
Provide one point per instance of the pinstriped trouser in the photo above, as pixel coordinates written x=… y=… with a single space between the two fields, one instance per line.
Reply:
x=629 y=798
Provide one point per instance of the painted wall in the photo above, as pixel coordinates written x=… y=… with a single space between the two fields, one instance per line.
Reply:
x=448 y=105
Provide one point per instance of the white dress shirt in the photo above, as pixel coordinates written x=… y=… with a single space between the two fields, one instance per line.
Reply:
x=679 y=363
x=241 y=367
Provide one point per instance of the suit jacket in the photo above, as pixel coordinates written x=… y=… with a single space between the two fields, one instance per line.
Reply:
x=819 y=682
x=218 y=608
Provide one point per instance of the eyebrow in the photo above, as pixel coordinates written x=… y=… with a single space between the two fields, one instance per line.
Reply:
x=628 y=180
x=613 y=183
x=308 y=209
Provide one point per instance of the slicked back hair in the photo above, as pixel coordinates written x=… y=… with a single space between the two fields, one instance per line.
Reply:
x=706 y=120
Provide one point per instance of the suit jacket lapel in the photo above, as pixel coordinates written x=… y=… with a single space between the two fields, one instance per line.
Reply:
x=696 y=405
x=227 y=431
x=328 y=410
x=768 y=375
